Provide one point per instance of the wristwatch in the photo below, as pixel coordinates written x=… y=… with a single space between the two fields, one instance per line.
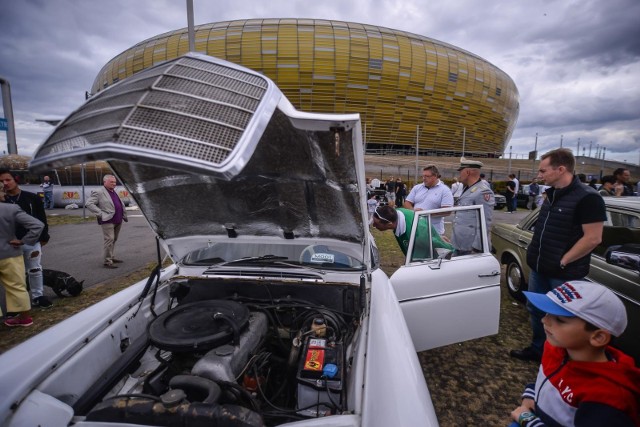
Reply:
x=525 y=417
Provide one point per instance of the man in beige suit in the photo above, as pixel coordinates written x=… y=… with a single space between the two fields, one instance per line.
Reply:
x=107 y=206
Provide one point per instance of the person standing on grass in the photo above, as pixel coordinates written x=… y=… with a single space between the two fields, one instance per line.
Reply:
x=431 y=194
x=32 y=204
x=568 y=229
x=12 y=272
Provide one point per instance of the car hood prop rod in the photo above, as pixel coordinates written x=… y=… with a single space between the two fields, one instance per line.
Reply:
x=155 y=274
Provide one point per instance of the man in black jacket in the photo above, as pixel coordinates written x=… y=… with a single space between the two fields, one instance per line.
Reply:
x=569 y=227
x=32 y=205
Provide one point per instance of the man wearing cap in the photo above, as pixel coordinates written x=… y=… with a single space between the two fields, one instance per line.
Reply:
x=467 y=237
x=568 y=229
x=431 y=194
x=400 y=220
x=582 y=380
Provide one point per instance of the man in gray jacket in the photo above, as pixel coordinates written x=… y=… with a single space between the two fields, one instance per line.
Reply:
x=108 y=208
x=12 y=272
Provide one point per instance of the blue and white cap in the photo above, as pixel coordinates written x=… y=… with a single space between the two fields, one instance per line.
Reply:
x=589 y=301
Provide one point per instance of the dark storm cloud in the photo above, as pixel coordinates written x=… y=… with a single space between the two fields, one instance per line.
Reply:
x=603 y=34
x=575 y=63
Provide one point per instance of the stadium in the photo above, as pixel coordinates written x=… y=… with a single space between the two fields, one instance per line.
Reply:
x=409 y=89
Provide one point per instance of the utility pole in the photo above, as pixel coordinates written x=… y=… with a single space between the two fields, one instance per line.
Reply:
x=510 y=153
x=12 y=147
x=190 y=32
x=590 y=144
x=560 y=141
x=578 y=152
x=535 y=154
x=417 y=150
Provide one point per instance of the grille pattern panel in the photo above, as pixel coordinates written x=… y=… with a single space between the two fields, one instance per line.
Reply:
x=207 y=91
x=198 y=108
x=171 y=144
x=187 y=107
x=218 y=80
x=218 y=69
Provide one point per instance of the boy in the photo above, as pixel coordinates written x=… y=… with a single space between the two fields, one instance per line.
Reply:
x=582 y=380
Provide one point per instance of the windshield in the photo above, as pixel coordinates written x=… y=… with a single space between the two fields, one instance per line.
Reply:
x=260 y=254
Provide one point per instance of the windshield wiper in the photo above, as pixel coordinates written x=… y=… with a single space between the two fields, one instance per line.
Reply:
x=275 y=260
x=267 y=259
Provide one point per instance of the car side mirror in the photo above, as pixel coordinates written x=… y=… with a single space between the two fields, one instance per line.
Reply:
x=624 y=256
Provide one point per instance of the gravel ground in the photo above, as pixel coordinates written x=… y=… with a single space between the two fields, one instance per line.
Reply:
x=476 y=382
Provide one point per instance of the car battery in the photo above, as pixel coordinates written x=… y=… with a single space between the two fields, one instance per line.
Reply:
x=320 y=377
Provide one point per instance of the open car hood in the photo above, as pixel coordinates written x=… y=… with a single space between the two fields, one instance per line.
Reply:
x=213 y=150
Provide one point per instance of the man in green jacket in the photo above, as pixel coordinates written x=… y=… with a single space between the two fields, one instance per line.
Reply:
x=400 y=220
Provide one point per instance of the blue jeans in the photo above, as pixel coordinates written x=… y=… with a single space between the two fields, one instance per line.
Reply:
x=539 y=284
x=48 y=199
x=32 y=256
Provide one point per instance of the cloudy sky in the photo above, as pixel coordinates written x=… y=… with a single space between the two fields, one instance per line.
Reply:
x=576 y=63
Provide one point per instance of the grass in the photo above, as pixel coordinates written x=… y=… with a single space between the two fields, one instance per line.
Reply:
x=54 y=220
x=67 y=307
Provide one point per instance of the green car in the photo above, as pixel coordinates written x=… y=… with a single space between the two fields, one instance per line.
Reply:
x=615 y=263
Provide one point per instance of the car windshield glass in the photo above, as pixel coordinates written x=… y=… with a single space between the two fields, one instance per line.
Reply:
x=260 y=254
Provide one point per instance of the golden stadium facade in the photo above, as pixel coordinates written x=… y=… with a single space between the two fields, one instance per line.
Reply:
x=405 y=86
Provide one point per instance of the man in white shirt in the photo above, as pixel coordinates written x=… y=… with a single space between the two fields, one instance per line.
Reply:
x=431 y=194
x=515 y=195
x=456 y=189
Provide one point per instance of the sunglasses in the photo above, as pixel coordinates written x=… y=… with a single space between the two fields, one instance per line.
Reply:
x=375 y=213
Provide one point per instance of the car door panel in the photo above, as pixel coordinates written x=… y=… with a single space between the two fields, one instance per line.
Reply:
x=450 y=304
x=449 y=300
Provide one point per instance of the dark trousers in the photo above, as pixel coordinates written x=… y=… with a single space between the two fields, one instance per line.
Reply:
x=510 y=203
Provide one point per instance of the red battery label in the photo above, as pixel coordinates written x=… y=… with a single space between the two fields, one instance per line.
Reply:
x=314 y=360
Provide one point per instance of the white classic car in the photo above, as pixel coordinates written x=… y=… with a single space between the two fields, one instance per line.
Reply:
x=274 y=310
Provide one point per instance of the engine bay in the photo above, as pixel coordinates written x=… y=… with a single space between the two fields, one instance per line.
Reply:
x=239 y=353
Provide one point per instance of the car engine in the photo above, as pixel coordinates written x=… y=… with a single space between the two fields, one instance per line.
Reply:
x=240 y=360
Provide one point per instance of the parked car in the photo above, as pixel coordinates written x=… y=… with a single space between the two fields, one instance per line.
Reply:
x=501 y=201
x=615 y=263
x=523 y=196
x=274 y=309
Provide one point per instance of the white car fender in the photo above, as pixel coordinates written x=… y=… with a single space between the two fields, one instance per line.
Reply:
x=394 y=374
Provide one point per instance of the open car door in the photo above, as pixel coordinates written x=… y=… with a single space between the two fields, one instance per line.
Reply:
x=449 y=295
